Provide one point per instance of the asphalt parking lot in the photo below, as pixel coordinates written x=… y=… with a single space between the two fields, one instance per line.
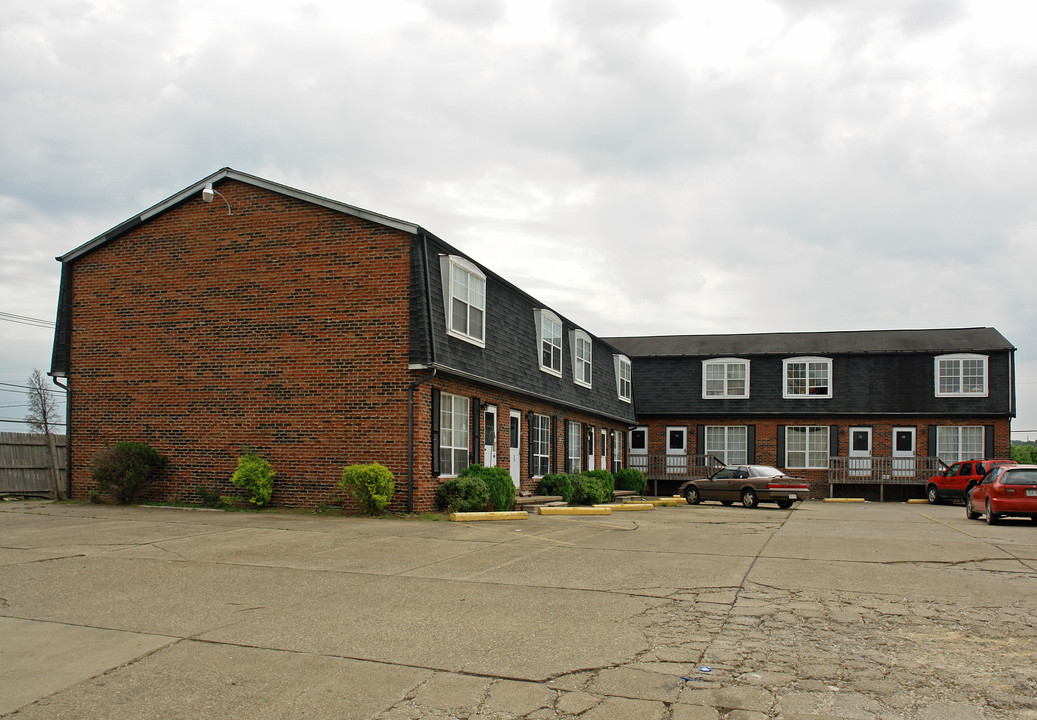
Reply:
x=828 y=610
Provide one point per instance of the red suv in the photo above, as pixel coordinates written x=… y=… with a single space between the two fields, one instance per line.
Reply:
x=954 y=482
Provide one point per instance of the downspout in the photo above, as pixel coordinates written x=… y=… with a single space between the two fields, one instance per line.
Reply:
x=68 y=437
x=410 y=436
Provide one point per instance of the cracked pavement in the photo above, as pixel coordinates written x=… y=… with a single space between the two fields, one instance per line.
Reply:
x=902 y=611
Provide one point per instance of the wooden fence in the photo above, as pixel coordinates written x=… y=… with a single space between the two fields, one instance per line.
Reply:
x=26 y=464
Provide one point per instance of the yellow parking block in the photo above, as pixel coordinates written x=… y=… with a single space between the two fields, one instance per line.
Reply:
x=669 y=501
x=627 y=506
x=473 y=516
x=596 y=510
x=919 y=500
x=846 y=500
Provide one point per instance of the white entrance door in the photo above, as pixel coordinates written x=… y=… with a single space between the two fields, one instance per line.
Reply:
x=860 y=451
x=590 y=448
x=676 y=450
x=515 y=458
x=903 y=451
x=489 y=455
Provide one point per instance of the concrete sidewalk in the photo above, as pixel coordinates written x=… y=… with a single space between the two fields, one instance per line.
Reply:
x=824 y=611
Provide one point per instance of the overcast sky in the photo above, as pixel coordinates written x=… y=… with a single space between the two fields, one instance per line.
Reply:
x=641 y=166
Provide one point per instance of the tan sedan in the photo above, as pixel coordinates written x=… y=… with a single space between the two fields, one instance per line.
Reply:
x=751 y=484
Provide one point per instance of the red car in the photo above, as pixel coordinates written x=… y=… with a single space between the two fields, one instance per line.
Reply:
x=955 y=482
x=1005 y=490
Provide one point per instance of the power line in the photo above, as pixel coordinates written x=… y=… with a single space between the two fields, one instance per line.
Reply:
x=4 y=385
x=25 y=320
x=26 y=422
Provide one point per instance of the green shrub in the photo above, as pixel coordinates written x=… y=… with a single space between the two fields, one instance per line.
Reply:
x=463 y=494
x=605 y=480
x=556 y=484
x=587 y=489
x=212 y=498
x=498 y=482
x=124 y=469
x=631 y=479
x=372 y=486
x=255 y=475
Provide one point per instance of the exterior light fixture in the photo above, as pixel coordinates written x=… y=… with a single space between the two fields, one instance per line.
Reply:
x=208 y=192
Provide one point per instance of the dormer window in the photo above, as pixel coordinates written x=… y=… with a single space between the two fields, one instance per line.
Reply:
x=725 y=378
x=622 y=377
x=465 y=291
x=961 y=375
x=549 y=339
x=808 y=377
x=581 y=351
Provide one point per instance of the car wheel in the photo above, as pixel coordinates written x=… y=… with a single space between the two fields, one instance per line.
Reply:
x=691 y=494
x=784 y=504
x=727 y=502
x=934 y=495
x=992 y=518
x=970 y=512
x=749 y=498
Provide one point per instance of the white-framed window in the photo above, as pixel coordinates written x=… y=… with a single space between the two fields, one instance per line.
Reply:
x=808 y=377
x=465 y=300
x=581 y=351
x=453 y=433
x=961 y=375
x=725 y=378
x=728 y=443
x=959 y=442
x=540 y=442
x=549 y=340
x=623 y=377
x=617 y=451
x=806 y=447
x=573 y=433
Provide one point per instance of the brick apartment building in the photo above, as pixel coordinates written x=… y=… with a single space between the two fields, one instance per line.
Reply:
x=322 y=335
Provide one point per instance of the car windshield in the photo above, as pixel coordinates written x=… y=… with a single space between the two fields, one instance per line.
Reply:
x=1020 y=477
x=766 y=471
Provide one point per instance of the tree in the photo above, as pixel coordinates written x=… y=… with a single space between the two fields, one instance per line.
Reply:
x=43 y=416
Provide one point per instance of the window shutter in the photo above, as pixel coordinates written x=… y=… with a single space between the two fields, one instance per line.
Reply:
x=700 y=440
x=473 y=447
x=750 y=444
x=553 y=464
x=435 y=432
x=988 y=440
x=779 y=446
x=932 y=441
x=833 y=441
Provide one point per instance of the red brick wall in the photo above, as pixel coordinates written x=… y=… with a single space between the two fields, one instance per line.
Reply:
x=767 y=437
x=282 y=328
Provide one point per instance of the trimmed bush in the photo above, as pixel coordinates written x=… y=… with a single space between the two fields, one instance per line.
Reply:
x=605 y=480
x=463 y=494
x=631 y=479
x=587 y=489
x=371 y=485
x=124 y=469
x=498 y=482
x=556 y=484
x=255 y=475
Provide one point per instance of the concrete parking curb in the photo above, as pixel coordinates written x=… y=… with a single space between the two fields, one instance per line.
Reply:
x=475 y=516
x=845 y=500
x=574 y=511
x=623 y=507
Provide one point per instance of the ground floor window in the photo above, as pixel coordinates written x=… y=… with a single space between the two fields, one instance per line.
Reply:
x=540 y=443
x=954 y=443
x=453 y=433
x=727 y=443
x=806 y=447
x=572 y=444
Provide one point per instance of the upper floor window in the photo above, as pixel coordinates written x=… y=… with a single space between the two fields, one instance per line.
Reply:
x=623 y=377
x=725 y=378
x=581 y=358
x=466 y=304
x=549 y=337
x=808 y=377
x=961 y=375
